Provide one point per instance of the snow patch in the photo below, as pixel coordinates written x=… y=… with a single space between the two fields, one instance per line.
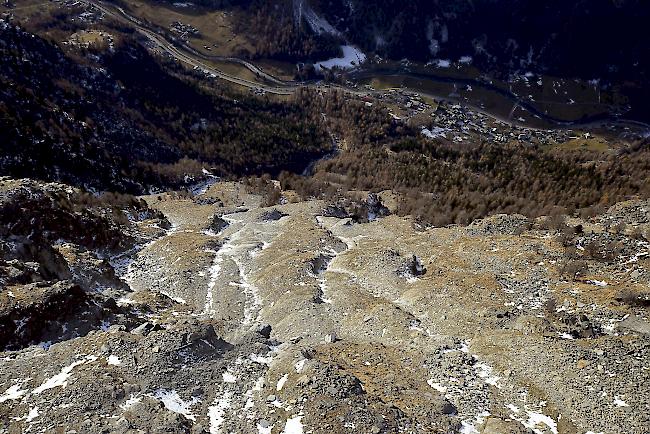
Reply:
x=485 y=372
x=535 y=420
x=228 y=377
x=33 y=414
x=13 y=393
x=178 y=300
x=259 y=384
x=281 y=382
x=30 y=416
x=262 y=360
x=469 y=426
x=173 y=402
x=264 y=429
x=619 y=402
x=300 y=365
x=293 y=426
x=437 y=386
x=133 y=400
x=61 y=379
x=217 y=411
x=352 y=57
x=434 y=132
x=318 y=24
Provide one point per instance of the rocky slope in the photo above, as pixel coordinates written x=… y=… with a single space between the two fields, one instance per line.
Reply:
x=298 y=318
x=56 y=275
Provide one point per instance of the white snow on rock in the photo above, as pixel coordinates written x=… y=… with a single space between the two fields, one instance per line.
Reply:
x=229 y=378
x=173 y=402
x=254 y=301
x=202 y=187
x=318 y=24
x=293 y=426
x=217 y=411
x=262 y=360
x=281 y=382
x=469 y=426
x=14 y=392
x=133 y=400
x=485 y=372
x=61 y=379
x=264 y=429
x=536 y=420
x=178 y=300
x=30 y=416
x=437 y=386
x=234 y=250
x=113 y=360
x=352 y=57
x=226 y=250
x=300 y=365
x=619 y=402
x=33 y=414
x=259 y=384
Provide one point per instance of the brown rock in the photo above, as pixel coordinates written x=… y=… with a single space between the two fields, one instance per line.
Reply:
x=495 y=425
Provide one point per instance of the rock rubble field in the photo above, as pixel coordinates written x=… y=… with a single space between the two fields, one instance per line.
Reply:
x=209 y=313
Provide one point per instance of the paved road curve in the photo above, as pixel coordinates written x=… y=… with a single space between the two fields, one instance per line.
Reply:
x=181 y=54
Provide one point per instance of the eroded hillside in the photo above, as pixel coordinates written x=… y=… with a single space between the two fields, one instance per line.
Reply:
x=304 y=317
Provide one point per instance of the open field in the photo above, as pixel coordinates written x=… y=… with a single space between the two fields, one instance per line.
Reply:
x=215 y=27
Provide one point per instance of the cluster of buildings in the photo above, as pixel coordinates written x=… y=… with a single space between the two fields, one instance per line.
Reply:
x=184 y=30
x=459 y=124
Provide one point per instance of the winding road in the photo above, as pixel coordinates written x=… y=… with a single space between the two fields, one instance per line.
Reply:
x=189 y=56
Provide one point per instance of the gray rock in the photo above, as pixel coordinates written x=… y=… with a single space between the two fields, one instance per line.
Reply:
x=143 y=329
x=635 y=324
x=265 y=330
